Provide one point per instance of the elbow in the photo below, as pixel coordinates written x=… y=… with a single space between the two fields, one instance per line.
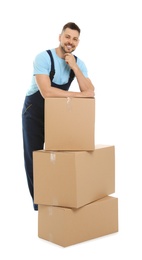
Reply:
x=93 y=88
x=45 y=94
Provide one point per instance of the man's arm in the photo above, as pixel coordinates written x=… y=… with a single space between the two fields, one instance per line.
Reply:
x=83 y=82
x=46 y=90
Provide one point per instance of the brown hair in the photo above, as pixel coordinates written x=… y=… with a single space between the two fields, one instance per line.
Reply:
x=71 y=26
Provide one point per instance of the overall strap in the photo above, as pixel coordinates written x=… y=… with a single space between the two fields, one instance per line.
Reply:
x=52 y=72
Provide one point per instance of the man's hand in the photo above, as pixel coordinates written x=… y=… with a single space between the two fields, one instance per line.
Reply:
x=86 y=87
x=88 y=93
x=70 y=60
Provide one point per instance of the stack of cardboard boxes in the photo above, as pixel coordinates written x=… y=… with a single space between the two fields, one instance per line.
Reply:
x=74 y=177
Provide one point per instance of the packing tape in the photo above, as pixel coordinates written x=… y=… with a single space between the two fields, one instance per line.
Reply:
x=50 y=237
x=52 y=157
x=69 y=103
x=68 y=100
x=55 y=202
x=50 y=211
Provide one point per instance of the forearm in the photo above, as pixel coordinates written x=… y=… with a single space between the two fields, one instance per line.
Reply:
x=83 y=82
x=55 y=92
x=46 y=90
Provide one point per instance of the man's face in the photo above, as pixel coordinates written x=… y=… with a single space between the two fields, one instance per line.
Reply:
x=69 y=40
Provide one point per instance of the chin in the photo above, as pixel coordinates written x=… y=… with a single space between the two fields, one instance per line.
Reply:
x=65 y=50
x=70 y=51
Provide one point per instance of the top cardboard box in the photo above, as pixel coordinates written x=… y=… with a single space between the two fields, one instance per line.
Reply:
x=69 y=124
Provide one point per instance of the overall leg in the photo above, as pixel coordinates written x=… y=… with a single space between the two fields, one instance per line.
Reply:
x=33 y=139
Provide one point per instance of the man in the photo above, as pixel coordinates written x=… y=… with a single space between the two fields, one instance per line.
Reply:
x=53 y=72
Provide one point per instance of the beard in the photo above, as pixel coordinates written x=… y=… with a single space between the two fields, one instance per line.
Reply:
x=64 y=51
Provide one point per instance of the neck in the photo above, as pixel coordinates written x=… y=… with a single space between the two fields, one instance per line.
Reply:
x=60 y=52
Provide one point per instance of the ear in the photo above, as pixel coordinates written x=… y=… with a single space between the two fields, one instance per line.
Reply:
x=59 y=37
x=78 y=42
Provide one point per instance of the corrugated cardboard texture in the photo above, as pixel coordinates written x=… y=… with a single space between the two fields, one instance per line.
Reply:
x=69 y=123
x=73 y=179
x=65 y=227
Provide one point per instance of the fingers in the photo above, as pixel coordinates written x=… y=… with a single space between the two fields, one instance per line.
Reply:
x=67 y=54
x=69 y=58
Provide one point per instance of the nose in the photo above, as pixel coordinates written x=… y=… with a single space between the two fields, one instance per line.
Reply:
x=70 y=41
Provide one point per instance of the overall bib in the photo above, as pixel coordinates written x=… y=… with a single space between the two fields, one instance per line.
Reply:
x=33 y=125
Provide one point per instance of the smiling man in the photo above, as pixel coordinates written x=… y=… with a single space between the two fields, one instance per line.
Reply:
x=53 y=73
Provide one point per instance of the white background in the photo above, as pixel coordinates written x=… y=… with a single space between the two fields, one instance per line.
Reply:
x=111 y=46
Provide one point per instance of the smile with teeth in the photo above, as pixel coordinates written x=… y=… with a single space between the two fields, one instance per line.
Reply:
x=69 y=47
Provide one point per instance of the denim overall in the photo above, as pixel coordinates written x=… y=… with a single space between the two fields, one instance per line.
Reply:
x=33 y=125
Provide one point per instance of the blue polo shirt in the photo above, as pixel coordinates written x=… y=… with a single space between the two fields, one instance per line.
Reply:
x=42 y=65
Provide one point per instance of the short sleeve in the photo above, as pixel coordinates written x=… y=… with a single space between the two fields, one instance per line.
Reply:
x=42 y=64
x=82 y=67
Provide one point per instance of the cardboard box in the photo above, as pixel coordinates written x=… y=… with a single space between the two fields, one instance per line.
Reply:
x=73 y=178
x=69 y=123
x=65 y=226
